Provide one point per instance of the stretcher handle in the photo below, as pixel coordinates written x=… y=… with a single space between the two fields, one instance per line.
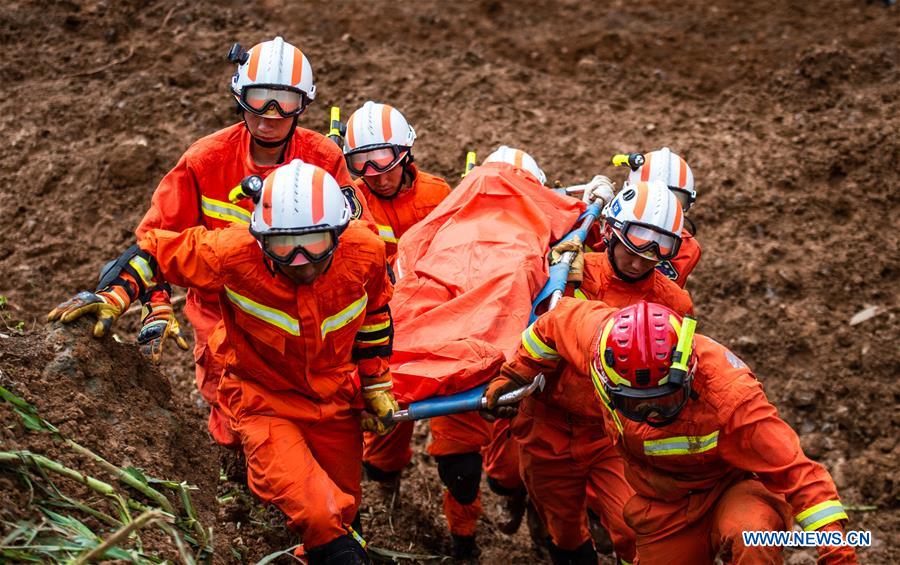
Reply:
x=559 y=273
x=466 y=401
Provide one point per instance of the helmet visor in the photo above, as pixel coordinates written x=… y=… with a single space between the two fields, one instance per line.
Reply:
x=375 y=161
x=299 y=249
x=274 y=102
x=655 y=405
x=649 y=241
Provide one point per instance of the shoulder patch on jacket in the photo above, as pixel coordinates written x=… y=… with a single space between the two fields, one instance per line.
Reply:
x=668 y=269
x=355 y=205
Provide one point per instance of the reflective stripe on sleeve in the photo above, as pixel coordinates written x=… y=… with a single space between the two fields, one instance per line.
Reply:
x=682 y=445
x=820 y=515
x=225 y=211
x=535 y=347
x=345 y=316
x=142 y=267
x=265 y=313
x=386 y=233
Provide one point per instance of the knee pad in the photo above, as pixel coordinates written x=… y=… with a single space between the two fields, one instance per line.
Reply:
x=342 y=550
x=461 y=474
x=376 y=474
x=497 y=488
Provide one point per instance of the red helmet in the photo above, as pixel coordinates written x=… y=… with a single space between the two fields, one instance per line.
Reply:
x=644 y=363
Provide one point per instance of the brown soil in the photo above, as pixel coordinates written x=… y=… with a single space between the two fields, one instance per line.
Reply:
x=788 y=113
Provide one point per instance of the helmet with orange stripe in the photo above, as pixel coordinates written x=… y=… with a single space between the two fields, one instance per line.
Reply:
x=519 y=159
x=646 y=218
x=299 y=213
x=666 y=166
x=378 y=140
x=644 y=363
x=274 y=79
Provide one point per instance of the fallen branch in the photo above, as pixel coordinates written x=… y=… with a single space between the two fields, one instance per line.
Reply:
x=104 y=67
x=119 y=536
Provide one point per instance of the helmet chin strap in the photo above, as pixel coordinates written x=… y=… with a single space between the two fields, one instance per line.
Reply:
x=272 y=144
x=406 y=179
x=613 y=241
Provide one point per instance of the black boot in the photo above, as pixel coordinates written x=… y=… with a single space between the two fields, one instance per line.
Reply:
x=343 y=550
x=514 y=502
x=464 y=547
x=584 y=554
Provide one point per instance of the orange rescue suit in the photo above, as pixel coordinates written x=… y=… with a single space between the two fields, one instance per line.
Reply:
x=566 y=458
x=195 y=193
x=728 y=463
x=393 y=216
x=293 y=357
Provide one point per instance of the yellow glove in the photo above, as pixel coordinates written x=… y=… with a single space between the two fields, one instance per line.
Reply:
x=380 y=403
x=159 y=324
x=576 y=271
x=107 y=305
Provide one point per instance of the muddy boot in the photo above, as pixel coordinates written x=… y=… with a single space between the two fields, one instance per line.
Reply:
x=512 y=506
x=536 y=528
x=343 y=550
x=601 y=538
x=464 y=547
x=582 y=555
x=388 y=484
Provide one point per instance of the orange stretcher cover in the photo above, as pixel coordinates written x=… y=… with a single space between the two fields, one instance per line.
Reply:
x=467 y=274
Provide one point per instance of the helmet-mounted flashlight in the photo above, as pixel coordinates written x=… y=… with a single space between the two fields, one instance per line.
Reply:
x=633 y=160
x=237 y=55
x=250 y=187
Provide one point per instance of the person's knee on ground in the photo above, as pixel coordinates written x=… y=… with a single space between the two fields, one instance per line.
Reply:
x=342 y=550
x=584 y=554
x=748 y=506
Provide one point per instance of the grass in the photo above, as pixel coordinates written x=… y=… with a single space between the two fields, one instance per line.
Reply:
x=103 y=528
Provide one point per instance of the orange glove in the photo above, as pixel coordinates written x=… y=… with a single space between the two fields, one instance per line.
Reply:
x=107 y=305
x=507 y=381
x=158 y=323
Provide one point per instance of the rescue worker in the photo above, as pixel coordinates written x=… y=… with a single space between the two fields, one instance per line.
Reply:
x=378 y=148
x=567 y=459
x=665 y=166
x=272 y=87
x=305 y=334
x=705 y=451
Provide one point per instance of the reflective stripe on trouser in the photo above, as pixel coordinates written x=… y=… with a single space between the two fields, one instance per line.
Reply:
x=501 y=457
x=203 y=317
x=744 y=506
x=390 y=452
x=568 y=468
x=311 y=472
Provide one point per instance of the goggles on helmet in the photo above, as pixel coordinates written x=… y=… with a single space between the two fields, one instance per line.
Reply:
x=298 y=248
x=263 y=99
x=646 y=240
x=370 y=161
x=684 y=196
x=657 y=406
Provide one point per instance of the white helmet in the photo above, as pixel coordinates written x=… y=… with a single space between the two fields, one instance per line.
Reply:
x=517 y=158
x=378 y=139
x=672 y=170
x=299 y=213
x=647 y=218
x=274 y=79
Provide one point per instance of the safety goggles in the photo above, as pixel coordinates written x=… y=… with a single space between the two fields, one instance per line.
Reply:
x=262 y=100
x=299 y=249
x=647 y=240
x=370 y=162
x=659 y=405
x=685 y=197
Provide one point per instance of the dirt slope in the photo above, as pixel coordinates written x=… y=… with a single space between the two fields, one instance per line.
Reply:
x=788 y=114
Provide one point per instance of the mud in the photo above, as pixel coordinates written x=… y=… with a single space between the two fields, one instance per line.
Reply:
x=788 y=113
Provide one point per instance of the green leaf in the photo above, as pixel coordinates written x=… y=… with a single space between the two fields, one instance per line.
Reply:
x=137 y=474
x=273 y=556
x=31 y=422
